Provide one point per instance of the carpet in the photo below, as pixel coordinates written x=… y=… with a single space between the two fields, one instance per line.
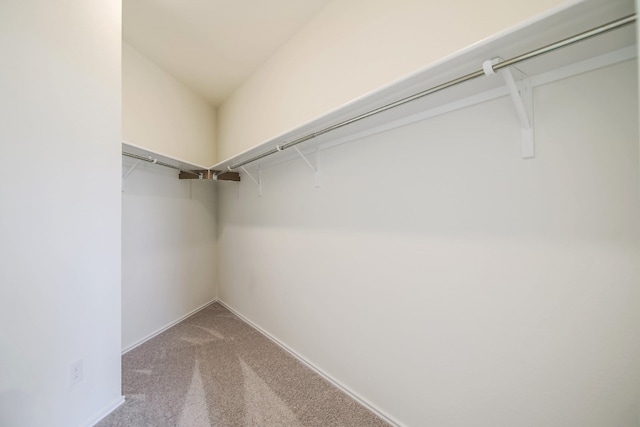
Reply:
x=213 y=369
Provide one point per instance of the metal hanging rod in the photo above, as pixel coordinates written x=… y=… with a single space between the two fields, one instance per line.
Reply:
x=158 y=162
x=629 y=19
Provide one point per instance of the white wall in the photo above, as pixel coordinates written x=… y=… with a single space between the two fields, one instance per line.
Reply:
x=161 y=114
x=351 y=48
x=168 y=225
x=60 y=138
x=448 y=281
x=168 y=249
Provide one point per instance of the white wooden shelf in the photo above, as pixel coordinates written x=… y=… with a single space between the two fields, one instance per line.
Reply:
x=599 y=51
x=141 y=151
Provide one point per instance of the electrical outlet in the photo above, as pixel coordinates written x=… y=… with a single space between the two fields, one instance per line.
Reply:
x=76 y=372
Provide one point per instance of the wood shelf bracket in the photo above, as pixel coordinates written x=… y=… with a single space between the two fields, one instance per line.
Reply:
x=227 y=176
x=213 y=175
x=258 y=181
x=522 y=100
x=312 y=166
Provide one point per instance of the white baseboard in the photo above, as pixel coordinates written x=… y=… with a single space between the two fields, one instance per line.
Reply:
x=364 y=402
x=105 y=411
x=164 y=328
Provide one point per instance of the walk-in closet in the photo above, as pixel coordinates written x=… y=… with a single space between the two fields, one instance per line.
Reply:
x=319 y=213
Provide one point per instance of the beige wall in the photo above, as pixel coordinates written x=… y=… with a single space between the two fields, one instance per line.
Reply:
x=353 y=47
x=471 y=287
x=168 y=248
x=163 y=115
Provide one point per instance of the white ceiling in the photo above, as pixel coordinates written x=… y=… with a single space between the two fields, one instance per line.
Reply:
x=213 y=45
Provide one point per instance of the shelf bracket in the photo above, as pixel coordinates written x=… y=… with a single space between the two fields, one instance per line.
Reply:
x=313 y=167
x=128 y=172
x=209 y=174
x=258 y=181
x=226 y=176
x=523 y=102
x=199 y=174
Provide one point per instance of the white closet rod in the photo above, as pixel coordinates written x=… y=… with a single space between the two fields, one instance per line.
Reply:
x=158 y=162
x=520 y=58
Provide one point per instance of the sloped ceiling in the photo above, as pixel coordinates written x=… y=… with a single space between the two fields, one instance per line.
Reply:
x=212 y=46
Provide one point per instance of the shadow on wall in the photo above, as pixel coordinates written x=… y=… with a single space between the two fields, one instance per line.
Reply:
x=163 y=183
x=437 y=270
x=462 y=173
x=16 y=408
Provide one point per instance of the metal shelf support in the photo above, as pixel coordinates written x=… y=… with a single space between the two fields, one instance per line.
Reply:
x=313 y=167
x=258 y=181
x=522 y=101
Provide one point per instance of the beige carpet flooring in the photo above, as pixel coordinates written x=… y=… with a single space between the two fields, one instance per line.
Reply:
x=213 y=369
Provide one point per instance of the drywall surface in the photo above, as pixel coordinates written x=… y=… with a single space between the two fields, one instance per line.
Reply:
x=60 y=131
x=163 y=115
x=168 y=249
x=351 y=48
x=450 y=282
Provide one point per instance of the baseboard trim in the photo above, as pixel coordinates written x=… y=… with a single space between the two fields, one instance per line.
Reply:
x=164 y=328
x=357 y=397
x=105 y=411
